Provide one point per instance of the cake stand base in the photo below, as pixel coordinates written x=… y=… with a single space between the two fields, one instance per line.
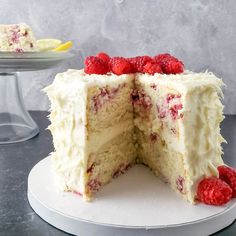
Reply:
x=136 y=203
x=16 y=124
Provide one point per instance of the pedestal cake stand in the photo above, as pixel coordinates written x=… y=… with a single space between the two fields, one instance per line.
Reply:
x=136 y=203
x=16 y=123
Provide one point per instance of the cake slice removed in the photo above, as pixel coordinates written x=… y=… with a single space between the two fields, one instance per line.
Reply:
x=17 y=38
x=177 y=124
x=92 y=127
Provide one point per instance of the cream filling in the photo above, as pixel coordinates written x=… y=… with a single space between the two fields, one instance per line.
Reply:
x=97 y=140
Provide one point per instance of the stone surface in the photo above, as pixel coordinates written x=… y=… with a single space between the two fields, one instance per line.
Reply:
x=16 y=161
x=202 y=33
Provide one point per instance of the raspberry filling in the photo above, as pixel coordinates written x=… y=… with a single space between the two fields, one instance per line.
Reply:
x=171 y=106
x=105 y=95
x=94 y=185
x=140 y=99
x=180 y=184
x=121 y=170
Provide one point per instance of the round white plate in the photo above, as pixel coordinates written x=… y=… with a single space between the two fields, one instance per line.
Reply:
x=28 y=61
x=136 y=203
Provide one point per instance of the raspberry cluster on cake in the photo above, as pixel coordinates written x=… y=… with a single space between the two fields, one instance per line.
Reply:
x=17 y=38
x=118 y=112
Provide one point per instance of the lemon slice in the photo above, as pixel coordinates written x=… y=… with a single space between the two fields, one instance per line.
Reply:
x=64 y=47
x=47 y=44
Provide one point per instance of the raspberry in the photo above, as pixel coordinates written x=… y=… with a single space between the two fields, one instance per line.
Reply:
x=152 y=68
x=162 y=57
x=228 y=174
x=153 y=137
x=120 y=65
x=214 y=191
x=169 y=64
x=174 y=111
x=121 y=170
x=95 y=65
x=180 y=183
x=139 y=62
x=105 y=57
x=94 y=185
x=172 y=67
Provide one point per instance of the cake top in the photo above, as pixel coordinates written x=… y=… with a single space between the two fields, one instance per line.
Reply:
x=74 y=80
x=102 y=63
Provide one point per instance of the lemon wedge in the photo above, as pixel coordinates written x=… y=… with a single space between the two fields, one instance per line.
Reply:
x=47 y=44
x=64 y=47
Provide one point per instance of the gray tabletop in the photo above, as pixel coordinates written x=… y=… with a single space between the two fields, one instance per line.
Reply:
x=16 y=161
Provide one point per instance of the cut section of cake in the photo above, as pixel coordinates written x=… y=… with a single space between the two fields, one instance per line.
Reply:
x=92 y=128
x=102 y=124
x=177 y=123
x=17 y=38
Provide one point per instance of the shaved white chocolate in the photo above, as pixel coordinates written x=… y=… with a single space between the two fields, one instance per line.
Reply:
x=103 y=124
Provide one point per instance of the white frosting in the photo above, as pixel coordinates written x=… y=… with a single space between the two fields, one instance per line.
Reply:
x=68 y=95
x=199 y=137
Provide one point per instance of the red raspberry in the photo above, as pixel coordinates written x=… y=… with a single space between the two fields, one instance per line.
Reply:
x=169 y=64
x=172 y=67
x=132 y=62
x=105 y=57
x=162 y=57
x=94 y=185
x=214 y=191
x=95 y=65
x=152 y=68
x=139 y=62
x=228 y=174
x=120 y=65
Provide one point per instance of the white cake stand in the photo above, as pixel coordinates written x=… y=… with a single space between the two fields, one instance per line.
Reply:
x=16 y=123
x=136 y=203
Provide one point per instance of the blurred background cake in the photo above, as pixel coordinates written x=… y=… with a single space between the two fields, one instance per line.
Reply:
x=17 y=38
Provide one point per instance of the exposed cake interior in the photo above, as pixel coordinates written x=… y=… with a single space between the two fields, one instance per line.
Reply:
x=103 y=124
x=177 y=123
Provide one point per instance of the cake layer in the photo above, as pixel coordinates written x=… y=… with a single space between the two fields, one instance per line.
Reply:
x=110 y=160
x=184 y=113
x=112 y=102
x=80 y=131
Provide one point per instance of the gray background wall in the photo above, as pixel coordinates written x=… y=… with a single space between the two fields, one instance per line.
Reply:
x=202 y=33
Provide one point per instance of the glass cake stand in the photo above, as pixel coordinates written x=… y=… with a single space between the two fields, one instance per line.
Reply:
x=16 y=124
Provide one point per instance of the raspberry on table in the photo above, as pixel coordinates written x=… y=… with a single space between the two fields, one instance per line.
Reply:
x=152 y=68
x=104 y=56
x=214 y=191
x=120 y=65
x=95 y=65
x=228 y=174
